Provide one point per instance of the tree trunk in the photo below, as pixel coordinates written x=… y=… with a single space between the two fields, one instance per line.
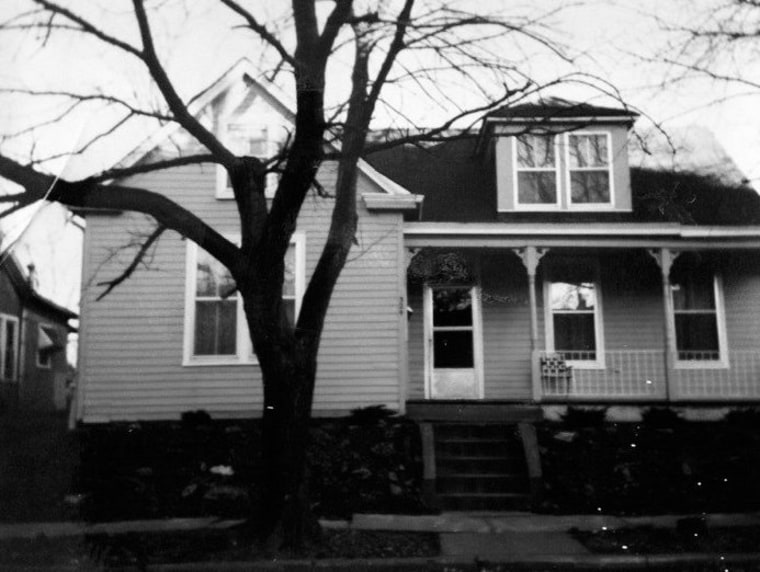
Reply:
x=285 y=519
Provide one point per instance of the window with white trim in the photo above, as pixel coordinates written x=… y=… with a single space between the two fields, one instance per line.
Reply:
x=698 y=314
x=573 y=314
x=8 y=347
x=589 y=168
x=563 y=171
x=216 y=331
x=536 y=169
x=244 y=139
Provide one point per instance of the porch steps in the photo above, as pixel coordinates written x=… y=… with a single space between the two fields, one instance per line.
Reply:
x=480 y=467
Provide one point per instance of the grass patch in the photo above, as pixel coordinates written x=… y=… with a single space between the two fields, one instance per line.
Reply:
x=651 y=540
x=39 y=460
x=144 y=549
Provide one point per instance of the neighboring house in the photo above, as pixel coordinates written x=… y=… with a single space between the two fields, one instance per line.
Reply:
x=34 y=372
x=540 y=271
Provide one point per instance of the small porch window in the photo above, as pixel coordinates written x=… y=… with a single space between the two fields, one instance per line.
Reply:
x=8 y=347
x=698 y=316
x=573 y=316
x=536 y=170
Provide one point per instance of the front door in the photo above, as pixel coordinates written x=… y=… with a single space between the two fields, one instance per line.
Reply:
x=453 y=342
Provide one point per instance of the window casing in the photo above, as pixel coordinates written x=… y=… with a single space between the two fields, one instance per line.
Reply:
x=245 y=139
x=8 y=347
x=589 y=168
x=573 y=315
x=566 y=171
x=536 y=171
x=698 y=318
x=216 y=331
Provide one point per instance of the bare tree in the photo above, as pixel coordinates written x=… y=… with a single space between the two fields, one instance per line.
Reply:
x=422 y=46
x=718 y=39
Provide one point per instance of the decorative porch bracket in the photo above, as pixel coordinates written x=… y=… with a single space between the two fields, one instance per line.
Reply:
x=665 y=258
x=531 y=256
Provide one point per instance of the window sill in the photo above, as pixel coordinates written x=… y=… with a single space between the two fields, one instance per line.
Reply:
x=592 y=208
x=582 y=364
x=218 y=362
x=701 y=364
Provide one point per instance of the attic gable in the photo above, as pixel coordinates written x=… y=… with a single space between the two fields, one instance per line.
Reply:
x=238 y=98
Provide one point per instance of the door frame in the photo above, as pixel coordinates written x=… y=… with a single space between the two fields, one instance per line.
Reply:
x=477 y=335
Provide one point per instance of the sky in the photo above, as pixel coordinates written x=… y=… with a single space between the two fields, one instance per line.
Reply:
x=611 y=41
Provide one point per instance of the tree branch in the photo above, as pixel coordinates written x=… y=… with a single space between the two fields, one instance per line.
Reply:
x=173 y=100
x=261 y=30
x=88 y=27
x=120 y=173
x=129 y=270
x=91 y=195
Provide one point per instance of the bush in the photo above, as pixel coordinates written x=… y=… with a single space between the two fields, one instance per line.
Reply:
x=367 y=462
x=661 y=465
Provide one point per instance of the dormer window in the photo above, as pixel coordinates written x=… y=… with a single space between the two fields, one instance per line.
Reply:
x=536 y=170
x=589 y=168
x=244 y=139
x=562 y=171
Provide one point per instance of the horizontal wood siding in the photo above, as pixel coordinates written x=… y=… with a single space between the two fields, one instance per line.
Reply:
x=741 y=293
x=632 y=305
x=132 y=366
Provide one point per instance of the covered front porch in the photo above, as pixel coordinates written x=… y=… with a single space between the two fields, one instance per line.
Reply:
x=630 y=313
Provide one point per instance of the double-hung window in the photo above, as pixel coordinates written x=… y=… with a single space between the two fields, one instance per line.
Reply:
x=573 y=316
x=216 y=331
x=249 y=140
x=536 y=170
x=8 y=347
x=570 y=171
x=698 y=316
x=588 y=166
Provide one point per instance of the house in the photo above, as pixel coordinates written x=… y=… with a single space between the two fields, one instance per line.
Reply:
x=495 y=280
x=34 y=371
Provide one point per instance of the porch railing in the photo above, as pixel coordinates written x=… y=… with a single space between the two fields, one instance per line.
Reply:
x=642 y=375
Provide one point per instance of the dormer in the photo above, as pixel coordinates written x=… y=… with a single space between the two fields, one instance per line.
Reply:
x=560 y=156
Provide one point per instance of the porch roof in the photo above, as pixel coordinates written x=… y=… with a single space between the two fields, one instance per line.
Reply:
x=590 y=235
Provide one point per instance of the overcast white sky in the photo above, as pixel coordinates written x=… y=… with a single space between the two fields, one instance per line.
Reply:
x=612 y=36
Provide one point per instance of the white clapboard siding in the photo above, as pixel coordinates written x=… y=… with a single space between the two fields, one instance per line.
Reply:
x=132 y=341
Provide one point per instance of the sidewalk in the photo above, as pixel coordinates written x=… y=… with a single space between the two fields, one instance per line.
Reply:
x=522 y=539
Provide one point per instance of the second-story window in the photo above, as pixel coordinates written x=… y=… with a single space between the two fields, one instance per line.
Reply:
x=252 y=141
x=589 y=168
x=536 y=169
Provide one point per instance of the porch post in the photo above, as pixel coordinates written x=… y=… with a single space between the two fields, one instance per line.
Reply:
x=665 y=259
x=531 y=256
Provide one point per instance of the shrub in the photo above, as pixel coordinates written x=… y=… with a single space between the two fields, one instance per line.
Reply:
x=367 y=462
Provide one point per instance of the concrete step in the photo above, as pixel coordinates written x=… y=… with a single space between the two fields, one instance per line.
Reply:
x=477 y=447
x=514 y=464
x=487 y=484
x=484 y=501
